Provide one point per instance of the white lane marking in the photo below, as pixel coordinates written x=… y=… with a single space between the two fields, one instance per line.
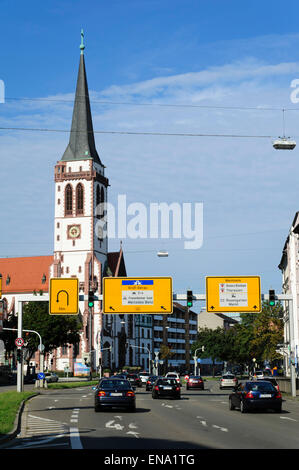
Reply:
x=290 y=419
x=204 y=423
x=133 y=426
x=133 y=433
x=118 y=417
x=75 y=439
x=219 y=427
x=117 y=426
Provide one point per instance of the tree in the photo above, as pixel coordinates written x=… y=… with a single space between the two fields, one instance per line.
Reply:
x=55 y=331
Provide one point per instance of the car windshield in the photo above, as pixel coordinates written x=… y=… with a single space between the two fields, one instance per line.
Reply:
x=119 y=384
x=260 y=387
x=167 y=382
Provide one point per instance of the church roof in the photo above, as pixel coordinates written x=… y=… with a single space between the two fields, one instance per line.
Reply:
x=25 y=275
x=81 y=144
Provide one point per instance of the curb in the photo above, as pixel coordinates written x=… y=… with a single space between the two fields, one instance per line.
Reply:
x=17 y=424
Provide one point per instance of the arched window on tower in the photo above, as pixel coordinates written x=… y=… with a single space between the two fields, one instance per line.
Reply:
x=98 y=201
x=79 y=199
x=68 y=200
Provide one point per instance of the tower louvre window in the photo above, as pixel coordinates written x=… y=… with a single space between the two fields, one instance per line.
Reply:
x=79 y=199
x=68 y=200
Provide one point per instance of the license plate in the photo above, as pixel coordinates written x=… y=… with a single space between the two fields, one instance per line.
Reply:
x=116 y=394
x=167 y=388
x=265 y=395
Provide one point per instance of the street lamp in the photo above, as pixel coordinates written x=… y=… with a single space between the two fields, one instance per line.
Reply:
x=202 y=348
x=149 y=355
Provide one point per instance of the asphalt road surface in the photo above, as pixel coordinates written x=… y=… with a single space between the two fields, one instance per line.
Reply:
x=65 y=419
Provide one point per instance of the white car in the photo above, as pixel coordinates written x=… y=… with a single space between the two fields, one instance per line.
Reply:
x=173 y=375
x=259 y=374
x=144 y=377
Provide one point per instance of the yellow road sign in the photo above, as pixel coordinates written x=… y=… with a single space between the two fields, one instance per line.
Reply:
x=64 y=296
x=233 y=294
x=137 y=295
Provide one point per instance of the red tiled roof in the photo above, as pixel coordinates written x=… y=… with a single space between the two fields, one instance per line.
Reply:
x=25 y=274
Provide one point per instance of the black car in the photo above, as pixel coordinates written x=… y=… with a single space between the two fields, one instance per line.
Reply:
x=256 y=394
x=150 y=382
x=134 y=380
x=114 y=392
x=166 y=387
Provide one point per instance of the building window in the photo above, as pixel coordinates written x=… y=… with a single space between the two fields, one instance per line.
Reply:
x=80 y=269
x=79 y=199
x=68 y=200
x=58 y=188
x=67 y=270
x=58 y=225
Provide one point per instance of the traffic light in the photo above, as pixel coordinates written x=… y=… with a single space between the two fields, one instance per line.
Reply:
x=272 y=298
x=19 y=355
x=90 y=299
x=189 y=298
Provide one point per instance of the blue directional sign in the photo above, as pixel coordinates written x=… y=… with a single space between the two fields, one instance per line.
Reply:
x=41 y=376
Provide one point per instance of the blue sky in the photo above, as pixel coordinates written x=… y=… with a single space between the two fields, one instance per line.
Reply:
x=233 y=54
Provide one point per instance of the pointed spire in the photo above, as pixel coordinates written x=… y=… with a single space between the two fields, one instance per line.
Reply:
x=82 y=144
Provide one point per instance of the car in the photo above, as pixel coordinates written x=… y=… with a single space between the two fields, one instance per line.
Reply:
x=150 y=382
x=255 y=394
x=134 y=380
x=166 y=386
x=114 y=392
x=259 y=374
x=195 y=381
x=228 y=381
x=272 y=380
x=51 y=377
x=143 y=376
x=173 y=375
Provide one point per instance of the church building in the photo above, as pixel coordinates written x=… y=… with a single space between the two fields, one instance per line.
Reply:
x=80 y=249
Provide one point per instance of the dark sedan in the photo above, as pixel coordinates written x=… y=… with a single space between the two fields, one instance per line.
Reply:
x=134 y=380
x=114 y=392
x=195 y=381
x=256 y=394
x=166 y=388
x=150 y=382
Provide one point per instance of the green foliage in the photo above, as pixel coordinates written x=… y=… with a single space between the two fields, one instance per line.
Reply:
x=256 y=336
x=55 y=330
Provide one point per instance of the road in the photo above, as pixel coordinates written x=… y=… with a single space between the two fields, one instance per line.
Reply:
x=65 y=419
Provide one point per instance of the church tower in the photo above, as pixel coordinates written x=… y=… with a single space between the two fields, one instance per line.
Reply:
x=80 y=247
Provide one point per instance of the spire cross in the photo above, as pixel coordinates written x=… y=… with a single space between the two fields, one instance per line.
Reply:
x=82 y=47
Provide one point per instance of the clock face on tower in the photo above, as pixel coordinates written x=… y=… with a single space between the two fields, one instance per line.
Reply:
x=74 y=231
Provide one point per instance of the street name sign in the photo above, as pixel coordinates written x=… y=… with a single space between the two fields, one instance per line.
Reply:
x=64 y=296
x=233 y=294
x=137 y=295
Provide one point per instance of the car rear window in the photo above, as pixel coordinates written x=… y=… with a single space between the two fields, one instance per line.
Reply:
x=120 y=384
x=172 y=375
x=167 y=382
x=230 y=377
x=260 y=387
x=197 y=377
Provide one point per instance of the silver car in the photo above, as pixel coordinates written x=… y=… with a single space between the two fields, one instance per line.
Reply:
x=228 y=381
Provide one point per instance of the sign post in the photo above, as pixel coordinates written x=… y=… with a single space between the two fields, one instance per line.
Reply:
x=137 y=295
x=233 y=294
x=64 y=296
